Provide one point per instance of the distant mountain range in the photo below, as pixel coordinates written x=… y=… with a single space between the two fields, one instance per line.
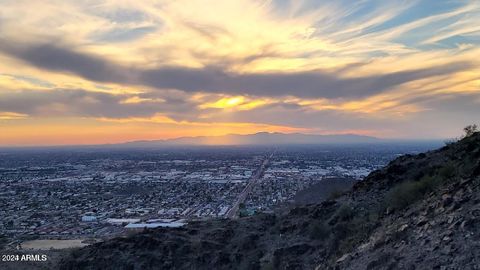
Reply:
x=261 y=138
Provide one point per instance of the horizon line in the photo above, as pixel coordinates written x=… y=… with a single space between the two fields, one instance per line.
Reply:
x=380 y=140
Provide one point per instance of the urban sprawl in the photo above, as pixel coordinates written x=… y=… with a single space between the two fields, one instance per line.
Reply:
x=91 y=193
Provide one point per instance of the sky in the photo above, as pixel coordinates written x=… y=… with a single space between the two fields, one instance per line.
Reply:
x=105 y=71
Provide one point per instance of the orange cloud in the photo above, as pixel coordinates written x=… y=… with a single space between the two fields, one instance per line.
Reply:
x=12 y=116
x=236 y=103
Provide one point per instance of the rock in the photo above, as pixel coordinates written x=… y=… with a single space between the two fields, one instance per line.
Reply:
x=454 y=206
x=450 y=219
x=425 y=242
x=448 y=250
x=422 y=221
x=420 y=236
x=466 y=224
x=403 y=228
x=343 y=258
x=475 y=212
x=446 y=200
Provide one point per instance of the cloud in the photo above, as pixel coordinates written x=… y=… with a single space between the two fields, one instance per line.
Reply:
x=81 y=103
x=47 y=56
x=12 y=116
x=383 y=66
x=311 y=84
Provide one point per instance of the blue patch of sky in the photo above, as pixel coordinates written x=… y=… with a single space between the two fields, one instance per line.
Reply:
x=123 y=34
x=102 y=87
x=361 y=10
x=423 y=9
x=416 y=36
x=454 y=42
x=282 y=6
x=124 y=15
x=364 y=8
x=475 y=39
x=31 y=80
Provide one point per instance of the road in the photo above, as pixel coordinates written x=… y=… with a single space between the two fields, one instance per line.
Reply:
x=233 y=211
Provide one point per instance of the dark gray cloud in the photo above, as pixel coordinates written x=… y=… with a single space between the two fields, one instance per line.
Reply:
x=78 y=102
x=54 y=58
x=305 y=84
x=314 y=84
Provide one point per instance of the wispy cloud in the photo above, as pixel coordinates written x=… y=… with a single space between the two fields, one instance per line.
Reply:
x=239 y=61
x=12 y=116
x=308 y=84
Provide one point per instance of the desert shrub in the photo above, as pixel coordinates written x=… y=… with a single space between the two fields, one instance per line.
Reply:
x=346 y=235
x=467 y=166
x=335 y=194
x=3 y=241
x=406 y=193
x=447 y=172
x=373 y=215
x=345 y=212
x=470 y=130
x=319 y=230
x=467 y=132
x=450 y=142
x=340 y=231
x=268 y=265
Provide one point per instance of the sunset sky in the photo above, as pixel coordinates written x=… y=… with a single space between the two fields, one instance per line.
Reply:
x=88 y=72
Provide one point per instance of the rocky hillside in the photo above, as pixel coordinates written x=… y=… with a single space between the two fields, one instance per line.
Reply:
x=419 y=212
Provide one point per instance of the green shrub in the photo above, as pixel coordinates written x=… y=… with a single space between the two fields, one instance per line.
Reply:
x=345 y=212
x=467 y=166
x=335 y=194
x=406 y=193
x=470 y=130
x=447 y=172
x=450 y=142
x=3 y=241
x=319 y=230
x=268 y=265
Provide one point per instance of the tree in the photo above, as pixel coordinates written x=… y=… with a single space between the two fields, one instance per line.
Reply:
x=470 y=130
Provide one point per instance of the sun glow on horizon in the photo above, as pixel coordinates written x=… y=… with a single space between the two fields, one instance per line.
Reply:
x=118 y=70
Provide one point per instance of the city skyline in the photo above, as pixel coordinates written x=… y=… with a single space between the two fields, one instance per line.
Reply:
x=95 y=72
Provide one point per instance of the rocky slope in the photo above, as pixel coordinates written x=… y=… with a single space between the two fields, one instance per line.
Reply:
x=419 y=212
